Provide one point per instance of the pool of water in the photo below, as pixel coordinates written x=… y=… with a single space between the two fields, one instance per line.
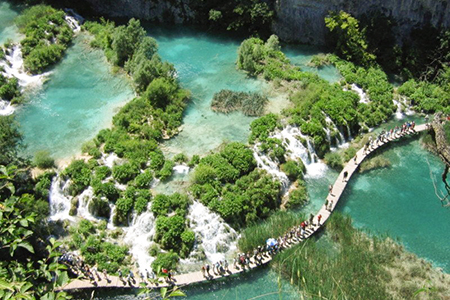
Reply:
x=8 y=30
x=399 y=201
x=79 y=98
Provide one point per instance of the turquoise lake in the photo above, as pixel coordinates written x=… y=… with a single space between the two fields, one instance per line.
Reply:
x=79 y=98
x=8 y=30
x=82 y=95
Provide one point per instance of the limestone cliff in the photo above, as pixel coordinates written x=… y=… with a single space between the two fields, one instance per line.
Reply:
x=170 y=11
x=302 y=20
x=297 y=20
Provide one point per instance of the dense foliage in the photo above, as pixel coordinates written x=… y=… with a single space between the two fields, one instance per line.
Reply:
x=9 y=89
x=47 y=36
x=228 y=183
x=251 y=104
x=29 y=267
x=96 y=247
x=319 y=106
x=251 y=16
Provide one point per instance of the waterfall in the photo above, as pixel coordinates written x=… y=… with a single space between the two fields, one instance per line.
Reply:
x=83 y=204
x=296 y=150
x=13 y=67
x=363 y=97
x=264 y=162
x=59 y=203
x=349 y=132
x=109 y=159
x=6 y=108
x=215 y=237
x=181 y=169
x=139 y=236
x=340 y=142
x=73 y=23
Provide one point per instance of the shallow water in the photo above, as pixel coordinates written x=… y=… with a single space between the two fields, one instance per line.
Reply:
x=8 y=30
x=79 y=99
x=399 y=201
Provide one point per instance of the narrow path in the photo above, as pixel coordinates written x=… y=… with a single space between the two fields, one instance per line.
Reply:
x=325 y=212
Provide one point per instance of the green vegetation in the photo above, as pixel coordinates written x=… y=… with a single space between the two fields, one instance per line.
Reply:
x=276 y=225
x=229 y=184
x=376 y=162
x=29 y=259
x=251 y=104
x=350 y=40
x=9 y=88
x=346 y=263
x=252 y=16
x=97 y=248
x=426 y=96
x=43 y=160
x=315 y=101
x=47 y=36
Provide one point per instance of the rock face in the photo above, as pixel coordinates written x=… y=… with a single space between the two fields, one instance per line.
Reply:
x=303 y=20
x=169 y=11
x=297 y=20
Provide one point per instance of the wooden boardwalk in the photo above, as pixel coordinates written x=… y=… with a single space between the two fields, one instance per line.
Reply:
x=197 y=277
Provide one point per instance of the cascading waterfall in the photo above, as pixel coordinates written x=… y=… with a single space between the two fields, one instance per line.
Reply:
x=6 y=108
x=83 y=204
x=109 y=159
x=217 y=238
x=340 y=142
x=314 y=167
x=264 y=162
x=13 y=67
x=181 y=169
x=59 y=203
x=73 y=23
x=139 y=236
x=363 y=97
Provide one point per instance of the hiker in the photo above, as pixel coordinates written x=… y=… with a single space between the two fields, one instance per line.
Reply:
x=331 y=205
x=319 y=217
x=330 y=190
x=344 y=178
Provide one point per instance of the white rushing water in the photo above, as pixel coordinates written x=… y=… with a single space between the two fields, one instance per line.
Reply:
x=13 y=67
x=110 y=159
x=59 y=202
x=139 y=237
x=363 y=97
x=83 y=204
x=6 y=108
x=181 y=169
x=266 y=163
x=217 y=239
x=296 y=150
x=73 y=23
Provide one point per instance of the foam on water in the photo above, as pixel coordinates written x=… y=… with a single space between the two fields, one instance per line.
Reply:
x=266 y=163
x=83 y=204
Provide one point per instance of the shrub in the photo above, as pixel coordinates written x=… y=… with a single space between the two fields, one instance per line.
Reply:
x=334 y=160
x=168 y=260
x=143 y=180
x=43 y=160
x=180 y=158
x=126 y=172
x=80 y=174
x=298 y=197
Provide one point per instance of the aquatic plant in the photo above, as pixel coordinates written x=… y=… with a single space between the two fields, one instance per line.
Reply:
x=276 y=225
x=251 y=104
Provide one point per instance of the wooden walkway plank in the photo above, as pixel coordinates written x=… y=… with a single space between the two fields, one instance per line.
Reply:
x=325 y=212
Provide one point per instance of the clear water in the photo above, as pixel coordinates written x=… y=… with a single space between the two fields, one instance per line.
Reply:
x=300 y=55
x=79 y=98
x=205 y=65
x=8 y=30
x=399 y=201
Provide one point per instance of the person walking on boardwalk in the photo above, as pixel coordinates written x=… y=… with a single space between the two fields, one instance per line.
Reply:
x=330 y=190
x=331 y=205
x=311 y=219
x=344 y=177
x=326 y=203
x=319 y=217
x=355 y=159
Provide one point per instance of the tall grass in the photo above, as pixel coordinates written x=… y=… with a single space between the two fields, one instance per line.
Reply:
x=275 y=226
x=354 y=270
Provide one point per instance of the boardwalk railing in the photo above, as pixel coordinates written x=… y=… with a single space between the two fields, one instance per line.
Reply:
x=324 y=213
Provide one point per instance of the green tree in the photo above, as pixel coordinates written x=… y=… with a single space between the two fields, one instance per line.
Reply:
x=126 y=39
x=351 y=42
x=10 y=139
